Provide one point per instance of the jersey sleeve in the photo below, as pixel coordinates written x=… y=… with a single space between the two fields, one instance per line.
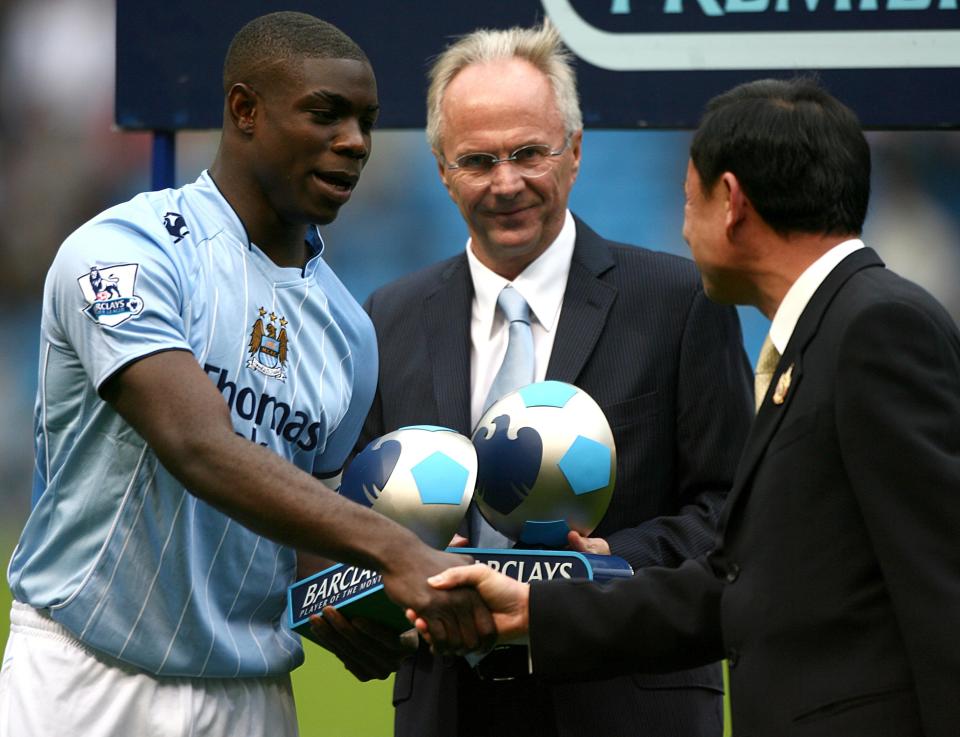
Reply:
x=113 y=296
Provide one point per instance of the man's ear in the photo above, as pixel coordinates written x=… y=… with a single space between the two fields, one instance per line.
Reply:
x=242 y=104
x=442 y=170
x=737 y=203
x=576 y=148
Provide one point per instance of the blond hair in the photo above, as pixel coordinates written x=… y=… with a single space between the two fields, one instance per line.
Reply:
x=540 y=45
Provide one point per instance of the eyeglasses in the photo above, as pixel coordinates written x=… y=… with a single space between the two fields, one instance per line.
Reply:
x=531 y=161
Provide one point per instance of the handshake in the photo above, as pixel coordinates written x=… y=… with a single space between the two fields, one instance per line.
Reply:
x=505 y=598
x=541 y=470
x=467 y=607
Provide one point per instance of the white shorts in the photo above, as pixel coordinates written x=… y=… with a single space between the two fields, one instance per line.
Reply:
x=52 y=685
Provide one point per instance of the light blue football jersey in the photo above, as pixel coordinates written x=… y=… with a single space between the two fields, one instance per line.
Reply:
x=115 y=548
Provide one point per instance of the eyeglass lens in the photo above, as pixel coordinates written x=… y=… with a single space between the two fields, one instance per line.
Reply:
x=530 y=160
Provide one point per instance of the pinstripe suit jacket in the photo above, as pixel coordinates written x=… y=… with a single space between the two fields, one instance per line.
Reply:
x=834 y=584
x=667 y=367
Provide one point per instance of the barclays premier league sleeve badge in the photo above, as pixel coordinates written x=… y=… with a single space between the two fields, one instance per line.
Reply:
x=109 y=292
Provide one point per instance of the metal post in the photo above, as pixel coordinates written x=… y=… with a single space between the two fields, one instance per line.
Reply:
x=163 y=173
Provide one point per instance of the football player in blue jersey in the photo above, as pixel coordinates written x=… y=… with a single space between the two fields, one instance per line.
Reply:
x=200 y=367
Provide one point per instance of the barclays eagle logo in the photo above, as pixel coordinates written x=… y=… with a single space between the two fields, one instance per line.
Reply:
x=367 y=476
x=508 y=467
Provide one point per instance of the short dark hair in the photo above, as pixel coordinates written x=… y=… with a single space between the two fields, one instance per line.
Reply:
x=799 y=154
x=281 y=36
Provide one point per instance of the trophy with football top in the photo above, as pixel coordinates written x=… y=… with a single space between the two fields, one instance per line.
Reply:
x=542 y=462
x=422 y=477
x=546 y=465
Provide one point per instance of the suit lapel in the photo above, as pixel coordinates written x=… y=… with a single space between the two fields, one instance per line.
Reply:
x=586 y=303
x=767 y=421
x=770 y=415
x=446 y=317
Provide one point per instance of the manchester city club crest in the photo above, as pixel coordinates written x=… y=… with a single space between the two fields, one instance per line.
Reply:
x=109 y=294
x=268 y=345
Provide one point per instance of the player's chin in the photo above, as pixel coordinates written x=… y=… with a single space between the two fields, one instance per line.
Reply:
x=323 y=213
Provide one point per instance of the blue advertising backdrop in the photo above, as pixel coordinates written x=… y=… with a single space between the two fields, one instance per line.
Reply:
x=895 y=62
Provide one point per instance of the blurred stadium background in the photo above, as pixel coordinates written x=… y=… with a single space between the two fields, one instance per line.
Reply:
x=62 y=161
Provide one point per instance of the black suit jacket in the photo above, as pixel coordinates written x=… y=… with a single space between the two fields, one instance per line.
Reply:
x=667 y=367
x=835 y=586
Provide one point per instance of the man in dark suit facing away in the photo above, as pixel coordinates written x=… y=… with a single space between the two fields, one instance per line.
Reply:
x=629 y=326
x=834 y=586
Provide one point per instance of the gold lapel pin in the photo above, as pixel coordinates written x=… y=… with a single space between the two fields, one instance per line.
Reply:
x=783 y=385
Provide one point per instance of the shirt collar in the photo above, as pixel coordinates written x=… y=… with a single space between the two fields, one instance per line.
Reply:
x=314 y=241
x=802 y=290
x=220 y=212
x=231 y=222
x=542 y=283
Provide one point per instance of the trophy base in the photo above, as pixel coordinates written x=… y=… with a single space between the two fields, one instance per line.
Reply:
x=358 y=592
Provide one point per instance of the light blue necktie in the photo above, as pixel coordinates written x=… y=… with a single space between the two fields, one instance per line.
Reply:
x=517 y=367
x=517 y=370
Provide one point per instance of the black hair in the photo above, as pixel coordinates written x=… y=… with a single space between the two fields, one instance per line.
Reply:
x=799 y=154
x=282 y=36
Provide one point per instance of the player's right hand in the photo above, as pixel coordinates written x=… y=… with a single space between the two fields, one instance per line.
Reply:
x=507 y=599
x=458 y=622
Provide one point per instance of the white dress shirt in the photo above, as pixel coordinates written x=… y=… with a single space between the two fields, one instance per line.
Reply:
x=796 y=299
x=542 y=284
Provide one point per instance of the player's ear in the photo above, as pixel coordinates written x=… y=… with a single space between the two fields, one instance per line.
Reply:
x=242 y=103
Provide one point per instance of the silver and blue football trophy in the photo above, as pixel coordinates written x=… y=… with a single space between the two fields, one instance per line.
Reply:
x=422 y=477
x=547 y=464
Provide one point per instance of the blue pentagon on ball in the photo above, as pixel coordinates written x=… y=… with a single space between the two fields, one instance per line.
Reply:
x=547 y=394
x=440 y=479
x=586 y=465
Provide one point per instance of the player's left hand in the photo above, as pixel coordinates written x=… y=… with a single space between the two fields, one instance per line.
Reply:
x=581 y=544
x=366 y=649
